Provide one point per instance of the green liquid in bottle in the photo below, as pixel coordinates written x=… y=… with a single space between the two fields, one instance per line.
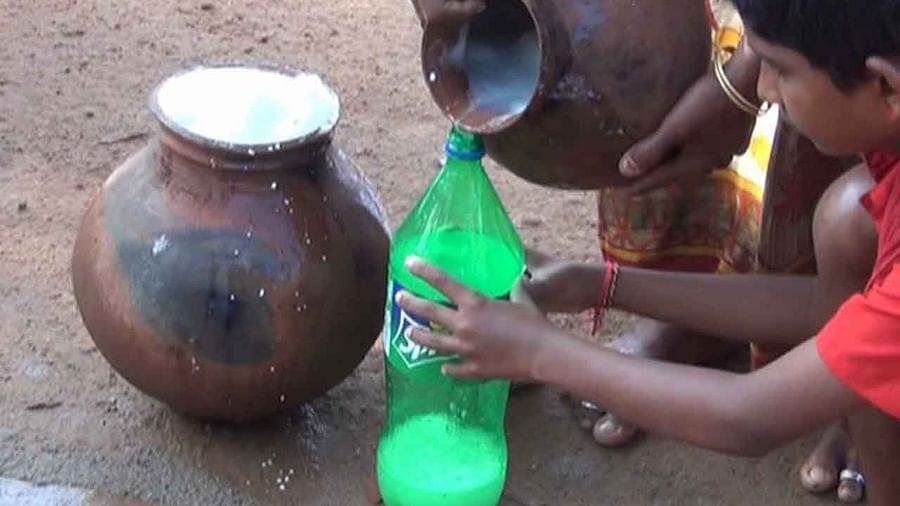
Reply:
x=418 y=467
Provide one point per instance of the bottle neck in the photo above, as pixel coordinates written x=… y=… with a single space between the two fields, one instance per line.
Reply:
x=463 y=147
x=463 y=163
x=465 y=158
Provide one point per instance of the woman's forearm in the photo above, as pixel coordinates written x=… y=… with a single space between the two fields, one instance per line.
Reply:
x=753 y=307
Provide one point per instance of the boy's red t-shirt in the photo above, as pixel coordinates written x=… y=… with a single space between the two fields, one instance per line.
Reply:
x=861 y=343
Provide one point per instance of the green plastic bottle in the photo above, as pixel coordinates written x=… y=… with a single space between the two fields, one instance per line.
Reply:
x=443 y=442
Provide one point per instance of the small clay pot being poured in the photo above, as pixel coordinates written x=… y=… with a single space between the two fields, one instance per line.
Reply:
x=561 y=89
x=235 y=267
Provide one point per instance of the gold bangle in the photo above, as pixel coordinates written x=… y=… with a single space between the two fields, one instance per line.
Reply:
x=732 y=93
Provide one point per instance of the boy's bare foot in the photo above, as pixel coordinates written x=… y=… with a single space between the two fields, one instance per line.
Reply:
x=833 y=464
x=852 y=485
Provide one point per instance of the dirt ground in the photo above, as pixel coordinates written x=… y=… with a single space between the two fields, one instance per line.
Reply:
x=74 y=80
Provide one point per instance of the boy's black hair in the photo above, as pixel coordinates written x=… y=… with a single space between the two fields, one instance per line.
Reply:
x=834 y=35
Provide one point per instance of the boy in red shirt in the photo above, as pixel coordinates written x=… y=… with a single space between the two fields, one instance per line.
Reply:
x=834 y=68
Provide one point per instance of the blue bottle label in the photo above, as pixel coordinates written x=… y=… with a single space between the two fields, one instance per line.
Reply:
x=397 y=345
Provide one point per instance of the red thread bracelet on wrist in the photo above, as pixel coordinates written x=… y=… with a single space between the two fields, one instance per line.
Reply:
x=607 y=292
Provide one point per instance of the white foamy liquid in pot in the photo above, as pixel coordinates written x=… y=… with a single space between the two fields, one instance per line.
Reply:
x=240 y=105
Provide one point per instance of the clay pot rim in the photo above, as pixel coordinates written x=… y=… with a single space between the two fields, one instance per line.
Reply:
x=322 y=134
x=547 y=71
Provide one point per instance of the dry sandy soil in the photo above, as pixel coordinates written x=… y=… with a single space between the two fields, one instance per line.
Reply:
x=74 y=79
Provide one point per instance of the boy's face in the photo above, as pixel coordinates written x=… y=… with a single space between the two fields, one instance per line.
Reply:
x=838 y=122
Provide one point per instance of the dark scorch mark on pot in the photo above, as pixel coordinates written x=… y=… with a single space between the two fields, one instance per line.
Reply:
x=206 y=289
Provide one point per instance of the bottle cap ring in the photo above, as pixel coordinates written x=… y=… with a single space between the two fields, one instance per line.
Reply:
x=467 y=155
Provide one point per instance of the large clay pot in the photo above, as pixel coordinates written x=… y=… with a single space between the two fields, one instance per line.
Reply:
x=562 y=88
x=236 y=266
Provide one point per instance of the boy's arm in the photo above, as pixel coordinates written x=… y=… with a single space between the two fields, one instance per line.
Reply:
x=776 y=309
x=739 y=414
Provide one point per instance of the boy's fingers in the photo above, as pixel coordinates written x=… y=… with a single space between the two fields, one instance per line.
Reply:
x=426 y=309
x=444 y=343
x=465 y=370
x=440 y=280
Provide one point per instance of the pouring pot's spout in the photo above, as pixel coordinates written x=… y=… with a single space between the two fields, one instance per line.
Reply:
x=486 y=72
x=561 y=89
